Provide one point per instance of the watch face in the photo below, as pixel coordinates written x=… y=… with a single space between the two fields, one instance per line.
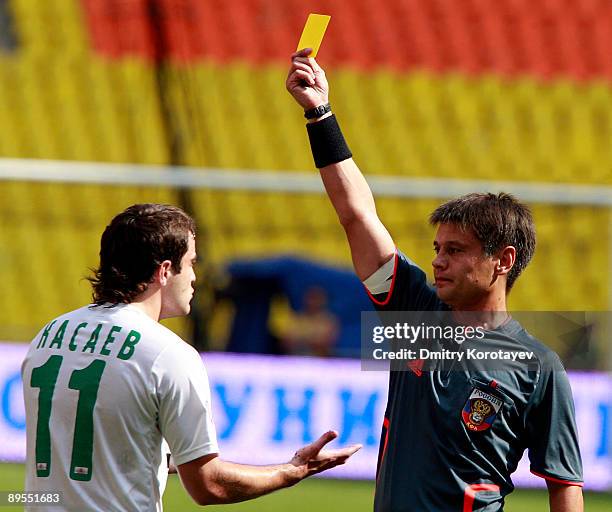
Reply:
x=317 y=111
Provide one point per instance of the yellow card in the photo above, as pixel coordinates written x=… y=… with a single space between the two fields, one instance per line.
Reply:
x=313 y=32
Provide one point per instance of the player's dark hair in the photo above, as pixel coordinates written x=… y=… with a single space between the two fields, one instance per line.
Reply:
x=497 y=221
x=133 y=246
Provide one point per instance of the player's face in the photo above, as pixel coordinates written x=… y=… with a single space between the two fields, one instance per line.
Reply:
x=463 y=273
x=178 y=291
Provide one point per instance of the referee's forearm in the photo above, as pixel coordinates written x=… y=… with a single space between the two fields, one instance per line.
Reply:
x=370 y=243
x=345 y=185
x=348 y=191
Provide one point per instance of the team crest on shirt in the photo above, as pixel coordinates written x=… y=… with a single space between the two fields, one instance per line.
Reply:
x=480 y=410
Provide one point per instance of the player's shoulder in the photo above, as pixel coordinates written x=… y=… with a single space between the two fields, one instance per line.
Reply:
x=129 y=315
x=175 y=350
x=177 y=360
x=168 y=345
x=75 y=313
x=58 y=320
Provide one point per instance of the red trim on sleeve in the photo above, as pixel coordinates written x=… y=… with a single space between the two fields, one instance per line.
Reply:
x=470 y=494
x=557 y=480
x=386 y=425
x=386 y=301
x=416 y=365
x=384 y=451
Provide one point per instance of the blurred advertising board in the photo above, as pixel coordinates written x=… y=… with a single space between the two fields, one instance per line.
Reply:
x=266 y=407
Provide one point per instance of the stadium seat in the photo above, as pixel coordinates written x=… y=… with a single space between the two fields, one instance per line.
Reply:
x=40 y=222
x=511 y=90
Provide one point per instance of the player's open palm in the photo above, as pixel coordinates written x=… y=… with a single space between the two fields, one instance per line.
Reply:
x=306 y=81
x=313 y=459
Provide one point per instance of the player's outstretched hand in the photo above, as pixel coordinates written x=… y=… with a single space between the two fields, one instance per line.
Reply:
x=306 y=81
x=313 y=459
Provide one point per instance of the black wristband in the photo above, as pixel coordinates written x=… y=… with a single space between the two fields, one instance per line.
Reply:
x=327 y=142
x=319 y=111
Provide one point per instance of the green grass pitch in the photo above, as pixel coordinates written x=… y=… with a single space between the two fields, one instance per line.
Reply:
x=312 y=494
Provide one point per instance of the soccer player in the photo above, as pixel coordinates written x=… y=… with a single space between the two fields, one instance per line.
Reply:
x=451 y=439
x=105 y=384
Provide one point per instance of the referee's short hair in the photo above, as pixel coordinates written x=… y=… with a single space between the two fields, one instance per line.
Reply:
x=497 y=221
x=133 y=246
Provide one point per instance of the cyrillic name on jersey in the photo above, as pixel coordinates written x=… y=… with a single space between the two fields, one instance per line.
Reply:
x=94 y=336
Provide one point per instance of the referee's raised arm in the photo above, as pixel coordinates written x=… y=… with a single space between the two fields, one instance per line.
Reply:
x=370 y=242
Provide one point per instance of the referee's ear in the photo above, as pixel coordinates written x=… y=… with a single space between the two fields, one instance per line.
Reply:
x=506 y=260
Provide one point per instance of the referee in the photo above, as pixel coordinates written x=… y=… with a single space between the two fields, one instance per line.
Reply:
x=451 y=439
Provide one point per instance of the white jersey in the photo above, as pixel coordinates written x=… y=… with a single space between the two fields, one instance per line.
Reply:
x=103 y=386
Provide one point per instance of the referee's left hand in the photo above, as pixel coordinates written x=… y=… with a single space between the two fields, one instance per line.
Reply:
x=306 y=81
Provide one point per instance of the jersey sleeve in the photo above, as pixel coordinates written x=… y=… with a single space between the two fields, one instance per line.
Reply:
x=183 y=394
x=553 y=447
x=401 y=286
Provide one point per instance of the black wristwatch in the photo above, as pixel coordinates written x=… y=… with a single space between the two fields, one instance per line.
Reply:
x=317 y=111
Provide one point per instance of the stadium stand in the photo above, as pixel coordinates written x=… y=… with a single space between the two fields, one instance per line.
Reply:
x=510 y=90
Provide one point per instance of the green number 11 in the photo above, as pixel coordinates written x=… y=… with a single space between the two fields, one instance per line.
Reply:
x=87 y=382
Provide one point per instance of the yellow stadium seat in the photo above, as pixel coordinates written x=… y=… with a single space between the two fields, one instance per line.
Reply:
x=55 y=229
x=141 y=114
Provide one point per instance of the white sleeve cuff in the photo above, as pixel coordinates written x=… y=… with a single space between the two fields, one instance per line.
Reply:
x=380 y=281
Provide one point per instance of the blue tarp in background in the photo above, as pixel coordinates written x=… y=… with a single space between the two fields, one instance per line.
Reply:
x=255 y=282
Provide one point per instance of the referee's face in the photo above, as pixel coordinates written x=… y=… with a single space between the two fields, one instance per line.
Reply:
x=464 y=275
